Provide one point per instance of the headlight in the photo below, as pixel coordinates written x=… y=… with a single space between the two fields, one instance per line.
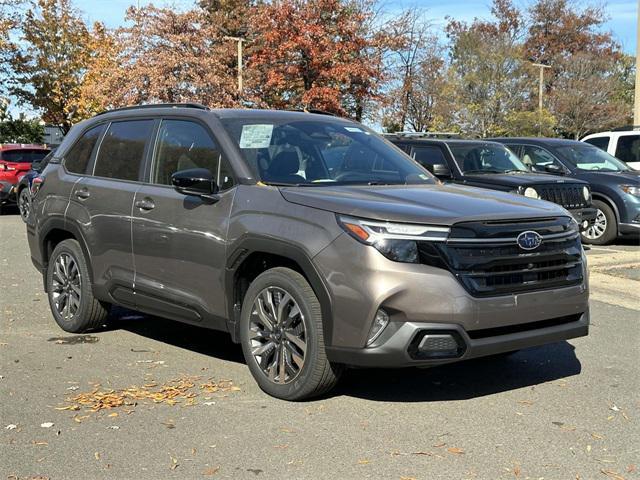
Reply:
x=531 y=192
x=586 y=193
x=631 y=190
x=396 y=241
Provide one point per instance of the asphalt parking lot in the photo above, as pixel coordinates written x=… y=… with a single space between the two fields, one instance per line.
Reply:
x=148 y=398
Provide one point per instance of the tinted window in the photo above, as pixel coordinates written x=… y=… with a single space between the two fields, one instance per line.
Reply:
x=122 y=149
x=485 y=158
x=183 y=145
x=429 y=156
x=23 y=155
x=600 y=142
x=320 y=152
x=628 y=148
x=77 y=159
x=538 y=158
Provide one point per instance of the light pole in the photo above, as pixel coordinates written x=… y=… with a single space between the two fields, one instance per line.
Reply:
x=541 y=66
x=240 y=40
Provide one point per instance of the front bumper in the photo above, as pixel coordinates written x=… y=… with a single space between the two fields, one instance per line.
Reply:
x=419 y=297
x=398 y=349
x=583 y=215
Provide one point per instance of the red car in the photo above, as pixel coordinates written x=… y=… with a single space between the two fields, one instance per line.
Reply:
x=15 y=161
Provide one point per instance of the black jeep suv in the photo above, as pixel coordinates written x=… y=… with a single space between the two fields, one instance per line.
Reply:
x=484 y=164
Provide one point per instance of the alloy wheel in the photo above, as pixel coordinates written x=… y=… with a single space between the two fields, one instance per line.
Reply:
x=24 y=204
x=66 y=286
x=277 y=335
x=596 y=230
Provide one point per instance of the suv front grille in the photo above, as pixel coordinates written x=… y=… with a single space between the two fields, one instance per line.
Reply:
x=491 y=263
x=569 y=196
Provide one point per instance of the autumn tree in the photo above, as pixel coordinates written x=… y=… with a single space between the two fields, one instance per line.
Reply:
x=584 y=95
x=9 y=20
x=313 y=55
x=487 y=69
x=163 y=56
x=51 y=60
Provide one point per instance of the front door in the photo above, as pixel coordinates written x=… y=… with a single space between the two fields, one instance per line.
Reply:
x=179 y=241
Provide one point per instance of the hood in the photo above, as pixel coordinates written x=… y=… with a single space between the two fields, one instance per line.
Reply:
x=438 y=204
x=611 y=178
x=514 y=180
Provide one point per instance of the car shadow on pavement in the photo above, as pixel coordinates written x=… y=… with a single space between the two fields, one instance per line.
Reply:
x=205 y=341
x=463 y=380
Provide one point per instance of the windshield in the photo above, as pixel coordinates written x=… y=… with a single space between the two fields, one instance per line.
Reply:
x=486 y=158
x=23 y=155
x=316 y=153
x=588 y=157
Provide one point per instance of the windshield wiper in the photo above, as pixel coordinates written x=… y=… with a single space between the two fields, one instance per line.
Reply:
x=483 y=171
x=515 y=170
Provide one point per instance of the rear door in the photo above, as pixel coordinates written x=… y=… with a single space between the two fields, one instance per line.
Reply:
x=102 y=205
x=179 y=241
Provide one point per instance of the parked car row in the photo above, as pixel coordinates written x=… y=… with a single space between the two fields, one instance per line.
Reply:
x=16 y=162
x=601 y=192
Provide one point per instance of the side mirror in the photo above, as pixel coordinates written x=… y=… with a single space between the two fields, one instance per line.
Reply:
x=441 y=170
x=195 y=181
x=553 y=168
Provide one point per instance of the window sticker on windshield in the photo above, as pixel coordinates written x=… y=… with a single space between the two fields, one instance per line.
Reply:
x=256 y=136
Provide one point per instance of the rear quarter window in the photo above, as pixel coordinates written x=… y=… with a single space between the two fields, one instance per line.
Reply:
x=628 y=148
x=600 y=142
x=77 y=159
x=122 y=149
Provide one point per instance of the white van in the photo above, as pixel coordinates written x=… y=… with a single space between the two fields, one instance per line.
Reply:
x=623 y=143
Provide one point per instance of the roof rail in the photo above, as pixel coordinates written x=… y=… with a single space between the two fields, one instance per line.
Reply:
x=425 y=134
x=313 y=110
x=157 y=105
x=627 y=128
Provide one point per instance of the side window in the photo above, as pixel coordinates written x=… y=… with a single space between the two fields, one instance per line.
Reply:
x=600 y=142
x=122 y=149
x=183 y=145
x=628 y=148
x=538 y=158
x=77 y=159
x=428 y=157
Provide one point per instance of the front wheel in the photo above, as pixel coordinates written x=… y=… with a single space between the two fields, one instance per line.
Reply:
x=605 y=228
x=282 y=338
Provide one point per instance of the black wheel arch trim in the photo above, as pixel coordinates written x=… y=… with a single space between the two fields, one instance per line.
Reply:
x=59 y=223
x=250 y=244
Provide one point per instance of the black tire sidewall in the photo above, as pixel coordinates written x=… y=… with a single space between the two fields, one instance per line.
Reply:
x=300 y=386
x=611 y=232
x=79 y=323
x=20 y=193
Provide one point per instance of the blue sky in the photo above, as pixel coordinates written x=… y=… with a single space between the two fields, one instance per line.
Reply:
x=622 y=13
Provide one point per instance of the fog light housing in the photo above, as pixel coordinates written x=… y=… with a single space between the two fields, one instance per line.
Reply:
x=380 y=321
x=437 y=344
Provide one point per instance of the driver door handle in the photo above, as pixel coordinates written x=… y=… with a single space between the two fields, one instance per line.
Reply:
x=145 y=204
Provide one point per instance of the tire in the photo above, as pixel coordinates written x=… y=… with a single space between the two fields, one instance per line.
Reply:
x=605 y=229
x=24 y=204
x=79 y=311
x=284 y=369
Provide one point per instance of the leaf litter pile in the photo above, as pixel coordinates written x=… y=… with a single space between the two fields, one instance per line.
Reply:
x=181 y=391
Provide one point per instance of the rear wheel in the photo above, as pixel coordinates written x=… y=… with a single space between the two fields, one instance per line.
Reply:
x=69 y=289
x=282 y=338
x=605 y=228
x=24 y=204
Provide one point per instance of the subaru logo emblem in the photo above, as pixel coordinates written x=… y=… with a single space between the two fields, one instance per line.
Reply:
x=529 y=240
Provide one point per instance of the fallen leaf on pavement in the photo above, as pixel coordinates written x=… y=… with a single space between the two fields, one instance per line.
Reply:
x=517 y=471
x=46 y=424
x=210 y=472
x=455 y=450
x=611 y=474
x=631 y=468
x=174 y=464
x=440 y=445
x=97 y=455
x=363 y=461
x=11 y=426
